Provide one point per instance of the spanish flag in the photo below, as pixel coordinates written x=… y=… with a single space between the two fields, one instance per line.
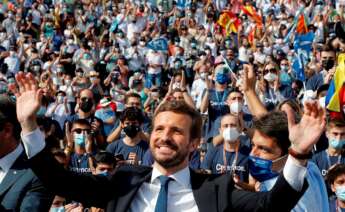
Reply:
x=302 y=26
x=250 y=11
x=229 y=21
x=335 y=98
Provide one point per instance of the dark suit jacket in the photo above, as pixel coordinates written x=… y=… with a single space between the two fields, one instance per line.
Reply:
x=21 y=190
x=211 y=192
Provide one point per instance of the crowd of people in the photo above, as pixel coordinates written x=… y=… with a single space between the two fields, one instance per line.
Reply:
x=106 y=70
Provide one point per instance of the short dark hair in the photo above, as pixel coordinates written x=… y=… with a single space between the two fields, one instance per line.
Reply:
x=275 y=125
x=130 y=95
x=132 y=114
x=104 y=157
x=181 y=107
x=81 y=122
x=335 y=172
x=335 y=123
x=8 y=115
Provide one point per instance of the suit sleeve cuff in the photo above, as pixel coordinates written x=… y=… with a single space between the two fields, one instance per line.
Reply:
x=33 y=142
x=294 y=174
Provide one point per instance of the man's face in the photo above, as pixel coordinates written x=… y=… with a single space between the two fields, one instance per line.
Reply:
x=128 y=122
x=133 y=102
x=103 y=167
x=335 y=132
x=229 y=121
x=264 y=147
x=339 y=181
x=86 y=95
x=170 y=141
x=178 y=96
x=234 y=97
x=80 y=128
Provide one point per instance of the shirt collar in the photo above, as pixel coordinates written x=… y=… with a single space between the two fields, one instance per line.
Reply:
x=7 y=161
x=182 y=177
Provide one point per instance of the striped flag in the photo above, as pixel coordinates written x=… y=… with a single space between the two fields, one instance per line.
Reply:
x=302 y=25
x=229 y=21
x=250 y=11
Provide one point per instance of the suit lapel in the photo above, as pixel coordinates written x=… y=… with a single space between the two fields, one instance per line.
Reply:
x=16 y=171
x=205 y=194
x=123 y=203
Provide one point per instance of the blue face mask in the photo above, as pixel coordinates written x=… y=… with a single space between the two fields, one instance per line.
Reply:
x=104 y=173
x=58 y=209
x=336 y=144
x=86 y=56
x=41 y=112
x=340 y=192
x=261 y=169
x=80 y=139
x=222 y=78
x=285 y=78
x=178 y=65
x=193 y=45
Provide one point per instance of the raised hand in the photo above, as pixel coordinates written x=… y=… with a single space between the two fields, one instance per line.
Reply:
x=28 y=100
x=248 y=78
x=306 y=133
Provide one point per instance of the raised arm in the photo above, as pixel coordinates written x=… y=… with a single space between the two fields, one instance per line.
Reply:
x=87 y=189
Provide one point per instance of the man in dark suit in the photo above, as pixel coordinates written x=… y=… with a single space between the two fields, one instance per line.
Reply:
x=170 y=185
x=20 y=189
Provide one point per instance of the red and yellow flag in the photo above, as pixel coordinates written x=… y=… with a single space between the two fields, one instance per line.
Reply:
x=301 y=26
x=250 y=11
x=229 y=21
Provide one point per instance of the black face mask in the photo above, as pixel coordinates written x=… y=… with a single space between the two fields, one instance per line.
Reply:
x=86 y=106
x=327 y=64
x=131 y=130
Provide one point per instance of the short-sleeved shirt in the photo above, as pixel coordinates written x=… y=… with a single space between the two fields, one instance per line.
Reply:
x=324 y=161
x=214 y=161
x=79 y=163
x=119 y=147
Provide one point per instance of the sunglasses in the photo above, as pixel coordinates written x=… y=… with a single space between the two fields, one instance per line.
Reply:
x=272 y=70
x=79 y=131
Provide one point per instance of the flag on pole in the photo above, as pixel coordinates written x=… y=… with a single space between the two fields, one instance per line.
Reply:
x=159 y=44
x=250 y=11
x=302 y=25
x=229 y=21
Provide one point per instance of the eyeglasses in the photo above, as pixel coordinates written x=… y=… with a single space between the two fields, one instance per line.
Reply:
x=272 y=70
x=79 y=131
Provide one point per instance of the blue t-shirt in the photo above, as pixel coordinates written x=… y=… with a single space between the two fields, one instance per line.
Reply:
x=333 y=206
x=79 y=163
x=217 y=107
x=119 y=147
x=324 y=162
x=214 y=161
x=194 y=161
x=314 y=82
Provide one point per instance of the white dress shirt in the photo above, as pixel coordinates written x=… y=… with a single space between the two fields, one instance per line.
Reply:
x=180 y=194
x=8 y=160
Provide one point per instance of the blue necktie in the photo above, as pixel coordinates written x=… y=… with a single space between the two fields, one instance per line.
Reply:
x=162 y=201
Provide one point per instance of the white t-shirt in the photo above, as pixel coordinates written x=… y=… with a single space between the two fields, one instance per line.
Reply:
x=155 y=59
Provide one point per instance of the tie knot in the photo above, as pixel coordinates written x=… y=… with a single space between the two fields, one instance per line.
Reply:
x=164 y=180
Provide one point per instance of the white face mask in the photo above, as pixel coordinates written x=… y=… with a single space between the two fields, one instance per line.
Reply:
x=203 y=75
x=176 y=85
x=230 y=134
x=270 y=77
x=236 y=107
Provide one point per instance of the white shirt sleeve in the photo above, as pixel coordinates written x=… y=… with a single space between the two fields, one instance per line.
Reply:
x=33 y=142
x=294 y=174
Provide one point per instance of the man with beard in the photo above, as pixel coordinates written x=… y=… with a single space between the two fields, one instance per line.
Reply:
x=170 y=185
x=85 y=105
